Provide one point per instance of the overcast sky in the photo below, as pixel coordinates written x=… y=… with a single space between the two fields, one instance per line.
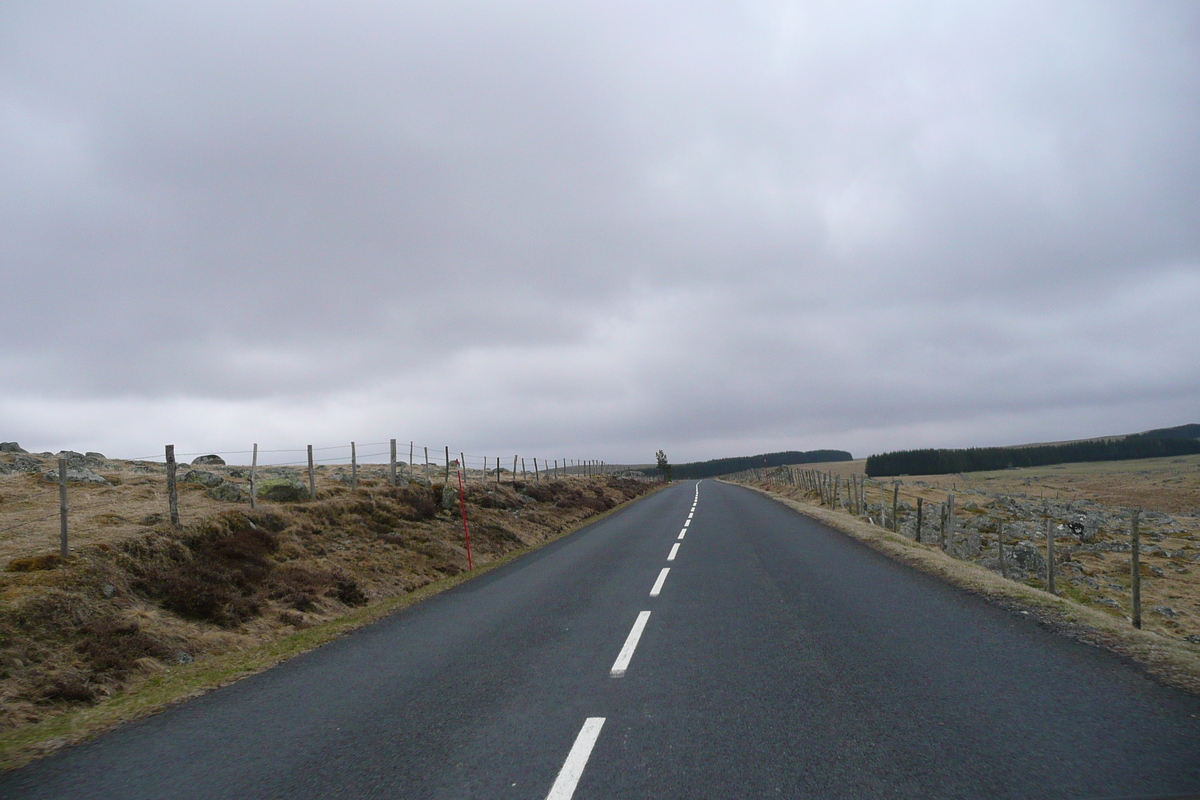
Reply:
x=597 y=229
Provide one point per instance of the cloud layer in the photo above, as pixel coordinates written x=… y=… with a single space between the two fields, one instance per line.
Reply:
x=595 y=230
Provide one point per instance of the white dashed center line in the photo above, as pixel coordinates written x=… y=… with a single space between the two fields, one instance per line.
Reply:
x=658 y=584
x=682 y=532
x=687 y=522
x=572 y=769
x=631 y=642
x=674 y=550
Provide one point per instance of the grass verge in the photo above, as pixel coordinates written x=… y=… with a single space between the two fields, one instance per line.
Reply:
x=177 y=684
x=1168 y=660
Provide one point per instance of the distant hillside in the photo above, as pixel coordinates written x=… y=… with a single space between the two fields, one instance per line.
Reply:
x=724 y=466
x=932 y=461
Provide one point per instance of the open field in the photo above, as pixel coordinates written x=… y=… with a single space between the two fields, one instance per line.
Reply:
x=140 y=600
x=1089 y=506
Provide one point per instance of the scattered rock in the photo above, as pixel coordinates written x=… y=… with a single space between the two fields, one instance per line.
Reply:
x=183 y=658
x=449 y=497
x=24 y=463
x=227 y=493
x=1108 y=601
x=77 y=475
x=209 y=479
x=211 y=459
x=108 y=590
x=10 y=447
x=1164 y=611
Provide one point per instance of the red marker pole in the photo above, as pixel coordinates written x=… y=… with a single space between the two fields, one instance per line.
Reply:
x=462 y=502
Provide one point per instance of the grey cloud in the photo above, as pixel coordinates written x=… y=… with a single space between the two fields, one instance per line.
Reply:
x=714 y=226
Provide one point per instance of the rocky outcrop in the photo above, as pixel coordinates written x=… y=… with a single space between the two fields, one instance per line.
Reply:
x=10 y=447
x=209 y=460
x=228 y=493
x=209 y=479
x=77 y=475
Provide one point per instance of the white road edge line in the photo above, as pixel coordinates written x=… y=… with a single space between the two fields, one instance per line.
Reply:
x=674 y=550
x=631 y=642
x=572 y=768
x=658 y=584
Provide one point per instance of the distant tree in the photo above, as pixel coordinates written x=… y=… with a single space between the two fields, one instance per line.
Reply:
x=664 y=466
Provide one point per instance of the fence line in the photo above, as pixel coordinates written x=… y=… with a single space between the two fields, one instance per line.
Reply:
x=585 y=468
x=826 y=488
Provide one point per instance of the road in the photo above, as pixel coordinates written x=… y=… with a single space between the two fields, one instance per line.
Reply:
x=777 y=658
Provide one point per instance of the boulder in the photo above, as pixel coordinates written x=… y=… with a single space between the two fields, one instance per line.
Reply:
x=449 y=497
x=10 y=447
x=283 y=490
x=209 y=460
x=1028 y=557
x=94 y=456
x=209 y=479
x=227 y=493
x=77 y=475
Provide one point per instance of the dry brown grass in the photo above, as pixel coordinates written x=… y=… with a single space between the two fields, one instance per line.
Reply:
x=1170 y=485
x=139 y=599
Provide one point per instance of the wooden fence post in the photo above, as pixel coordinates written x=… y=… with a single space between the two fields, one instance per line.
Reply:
x=63 y=550
x=1135 y=573
x=896 y=506
x=514 y=473
x=536 y=475
x=920 y=516
x=172 y=494
x=353 y=466
x=427 y=464
x=1000 y=548
x=950 y=524
x=410 y=459
x=254 y=478
x=524 y=476
x=312 y=476
x=392 y=462
x=462 y=461
x=882 y=506
x=1049 y=554
x=447 y=465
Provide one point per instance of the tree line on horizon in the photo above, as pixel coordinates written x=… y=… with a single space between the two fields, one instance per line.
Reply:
x=725 y=466
x=943 y=461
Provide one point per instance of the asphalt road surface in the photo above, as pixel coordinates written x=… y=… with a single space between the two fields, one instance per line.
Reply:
x=703 y=642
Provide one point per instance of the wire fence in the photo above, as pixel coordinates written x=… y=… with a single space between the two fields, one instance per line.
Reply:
x=392 y=460
x=906 y=511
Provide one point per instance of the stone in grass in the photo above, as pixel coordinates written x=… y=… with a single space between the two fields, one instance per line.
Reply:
x=449 y=497
x=1164 y=611
x=212 y=459
x=209 y=479
x=283 y=490
x=77 y=475
x=227 y=493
